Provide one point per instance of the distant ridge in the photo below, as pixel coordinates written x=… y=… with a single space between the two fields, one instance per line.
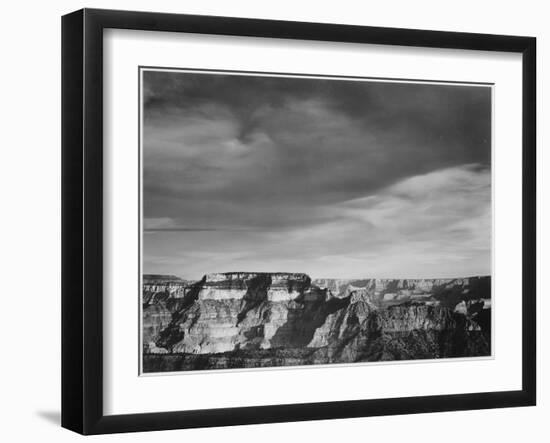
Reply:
x=171 y=277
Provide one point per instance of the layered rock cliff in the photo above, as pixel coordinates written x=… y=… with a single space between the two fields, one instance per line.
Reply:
x=271 y=319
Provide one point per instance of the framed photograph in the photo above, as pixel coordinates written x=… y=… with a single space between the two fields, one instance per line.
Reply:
x=269 y=221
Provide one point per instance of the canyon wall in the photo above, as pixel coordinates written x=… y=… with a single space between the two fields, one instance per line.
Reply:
x=272 y=319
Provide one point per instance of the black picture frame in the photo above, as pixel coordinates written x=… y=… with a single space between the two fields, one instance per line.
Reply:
x=82 y=221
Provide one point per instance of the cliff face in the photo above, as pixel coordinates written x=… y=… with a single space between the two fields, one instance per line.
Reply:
x=270 y=319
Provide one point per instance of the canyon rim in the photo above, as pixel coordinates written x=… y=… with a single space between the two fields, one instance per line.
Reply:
x=364 y=190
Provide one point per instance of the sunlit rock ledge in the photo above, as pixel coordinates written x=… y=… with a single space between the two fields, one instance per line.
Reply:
x=275 y=287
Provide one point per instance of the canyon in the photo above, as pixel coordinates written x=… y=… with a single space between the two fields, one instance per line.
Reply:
x=247 y=319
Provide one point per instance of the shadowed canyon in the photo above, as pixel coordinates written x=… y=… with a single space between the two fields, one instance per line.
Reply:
x=249 y=320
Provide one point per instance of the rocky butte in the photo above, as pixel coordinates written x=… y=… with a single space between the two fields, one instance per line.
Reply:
x=246 y=319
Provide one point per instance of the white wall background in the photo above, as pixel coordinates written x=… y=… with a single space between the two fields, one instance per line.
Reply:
x=30 y=221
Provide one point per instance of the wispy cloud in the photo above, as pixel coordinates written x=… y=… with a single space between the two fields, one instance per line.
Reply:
x=166 y=224
x=432 y=225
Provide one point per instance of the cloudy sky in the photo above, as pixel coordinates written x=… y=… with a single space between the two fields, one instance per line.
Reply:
x=335 y=178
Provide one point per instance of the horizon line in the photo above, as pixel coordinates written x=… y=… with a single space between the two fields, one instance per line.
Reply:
x=143 y=274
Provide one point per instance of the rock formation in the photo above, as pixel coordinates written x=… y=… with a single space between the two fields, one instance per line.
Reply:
x=231 y=320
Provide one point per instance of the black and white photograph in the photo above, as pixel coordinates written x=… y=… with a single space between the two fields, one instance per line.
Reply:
x=244 y=222
x=298 y=220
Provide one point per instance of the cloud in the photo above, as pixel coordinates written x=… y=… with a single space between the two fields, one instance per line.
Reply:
x=431 y=225
x=323 y=176
x=166 y=224
x=299 y=142
x=446 y=199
